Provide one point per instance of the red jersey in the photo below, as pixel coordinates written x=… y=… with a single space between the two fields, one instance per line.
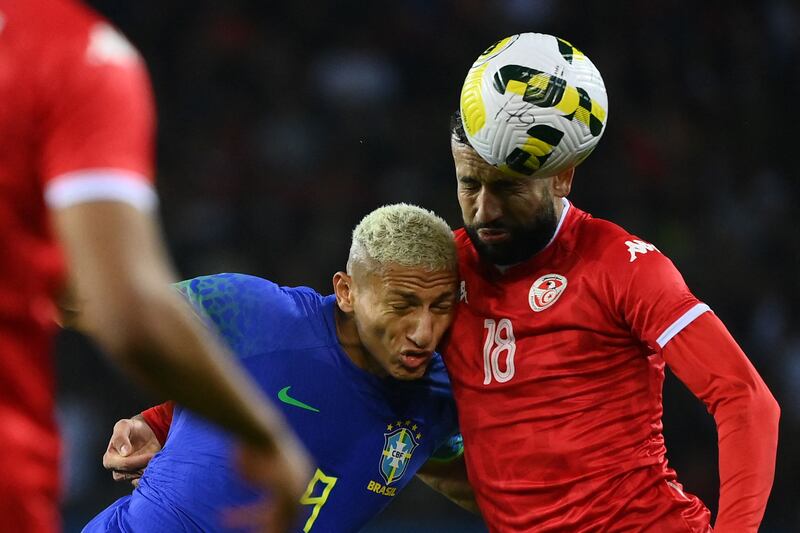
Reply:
x=557 y=369
x=76 y=124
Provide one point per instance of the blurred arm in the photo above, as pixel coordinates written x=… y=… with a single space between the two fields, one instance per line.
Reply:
x=121 y=276
x=707 y=359
x=450 y=479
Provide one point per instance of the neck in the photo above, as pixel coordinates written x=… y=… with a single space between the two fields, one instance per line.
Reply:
x=559 y=204
x=350 y=341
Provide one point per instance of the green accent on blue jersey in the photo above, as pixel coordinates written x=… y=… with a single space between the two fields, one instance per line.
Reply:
x=451 y=450
x=283 y=395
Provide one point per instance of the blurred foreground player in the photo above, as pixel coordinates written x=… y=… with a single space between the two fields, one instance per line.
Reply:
x=557 y=352
x=356 y=375
x=76 y=127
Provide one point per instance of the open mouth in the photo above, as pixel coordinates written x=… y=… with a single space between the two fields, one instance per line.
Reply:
x=415 y=360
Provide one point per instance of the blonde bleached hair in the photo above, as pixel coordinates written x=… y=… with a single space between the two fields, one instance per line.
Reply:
x=404 y=235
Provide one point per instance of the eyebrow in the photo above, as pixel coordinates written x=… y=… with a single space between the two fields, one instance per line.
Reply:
x=502 y=181
x=404 y=294
x=408 y=295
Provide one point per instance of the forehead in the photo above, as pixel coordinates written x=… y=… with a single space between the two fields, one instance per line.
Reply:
x=470 y=165
x=417 y=280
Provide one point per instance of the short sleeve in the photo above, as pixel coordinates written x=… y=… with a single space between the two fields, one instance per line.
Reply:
x=452 y=449
x=159 y=418
x=99 y=126
x=649 y=293
x=255 y=315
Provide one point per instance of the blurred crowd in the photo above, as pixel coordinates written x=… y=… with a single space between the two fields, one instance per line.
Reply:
x=282 y=123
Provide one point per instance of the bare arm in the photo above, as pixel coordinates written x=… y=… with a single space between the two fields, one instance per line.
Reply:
x=450 y=479
x=121 y=276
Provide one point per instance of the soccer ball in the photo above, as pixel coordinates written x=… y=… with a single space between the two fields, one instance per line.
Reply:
x=533 y=105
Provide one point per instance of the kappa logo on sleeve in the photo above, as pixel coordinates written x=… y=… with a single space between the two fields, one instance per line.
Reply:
x=639 y=247
x=462 y=292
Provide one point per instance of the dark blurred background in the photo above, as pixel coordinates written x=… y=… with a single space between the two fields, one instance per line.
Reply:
x=283 y=123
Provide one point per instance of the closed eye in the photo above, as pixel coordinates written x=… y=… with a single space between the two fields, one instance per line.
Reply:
x=469 y=184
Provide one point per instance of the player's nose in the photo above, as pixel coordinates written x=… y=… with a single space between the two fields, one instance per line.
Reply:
x=488 y=207
x=422 y=331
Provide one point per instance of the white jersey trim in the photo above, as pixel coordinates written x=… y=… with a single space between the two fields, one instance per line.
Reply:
x=686 y=319
x=101 y=184
x=561 y=220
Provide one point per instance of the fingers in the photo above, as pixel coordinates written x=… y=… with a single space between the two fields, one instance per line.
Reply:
x=131 y=446
x=118 y=475
x=284 y=472
x=266 y=515
x=134 y=463
x=121 y=437
x=282 y=515
x=255 y=516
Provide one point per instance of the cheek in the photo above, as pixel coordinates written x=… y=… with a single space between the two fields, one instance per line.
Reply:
x=465 y=201
x=393 y=330
x=382 y=329
x=441 y=325
x=523 y=209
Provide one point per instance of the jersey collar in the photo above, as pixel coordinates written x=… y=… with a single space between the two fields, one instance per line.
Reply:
x=561 y=220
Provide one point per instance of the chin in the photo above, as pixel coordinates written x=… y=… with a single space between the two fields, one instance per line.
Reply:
x=403 y=374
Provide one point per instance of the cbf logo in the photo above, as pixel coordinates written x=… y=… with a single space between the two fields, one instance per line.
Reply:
x=545 y=291
x=399 y=443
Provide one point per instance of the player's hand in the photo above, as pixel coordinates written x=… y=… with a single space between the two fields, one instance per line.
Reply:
x=131 y=447
x=283 y=471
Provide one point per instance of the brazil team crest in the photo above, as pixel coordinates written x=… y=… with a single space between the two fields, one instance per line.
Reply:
x=399 y=443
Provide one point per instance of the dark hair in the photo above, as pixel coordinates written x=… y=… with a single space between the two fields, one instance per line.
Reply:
x=457 y=128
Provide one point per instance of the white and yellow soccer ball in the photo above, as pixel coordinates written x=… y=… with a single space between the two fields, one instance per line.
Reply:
x=533 y=105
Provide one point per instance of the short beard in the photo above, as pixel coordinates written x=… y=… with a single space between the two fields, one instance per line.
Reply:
x=524 y=241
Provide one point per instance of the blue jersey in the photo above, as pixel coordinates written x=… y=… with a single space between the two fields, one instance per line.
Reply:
x=367 y=435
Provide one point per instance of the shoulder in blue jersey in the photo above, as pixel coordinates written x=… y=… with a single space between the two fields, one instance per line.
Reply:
x=368 y=435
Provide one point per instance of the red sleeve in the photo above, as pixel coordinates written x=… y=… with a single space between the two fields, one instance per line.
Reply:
x=101 y=113
x=708 y=360
x=159 y=419
x=649 y=293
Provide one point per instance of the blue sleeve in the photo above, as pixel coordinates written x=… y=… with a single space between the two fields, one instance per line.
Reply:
x=255 y=315
x=453 y=446
x=452 y=449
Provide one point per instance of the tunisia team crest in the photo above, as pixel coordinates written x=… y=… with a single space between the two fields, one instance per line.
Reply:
x=545 y=291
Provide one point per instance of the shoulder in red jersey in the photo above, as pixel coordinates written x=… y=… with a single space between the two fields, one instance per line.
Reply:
x=645 y=287
x=92 y=91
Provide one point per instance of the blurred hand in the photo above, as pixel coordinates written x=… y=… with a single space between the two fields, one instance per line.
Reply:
x=131 y=447
x=284 y=471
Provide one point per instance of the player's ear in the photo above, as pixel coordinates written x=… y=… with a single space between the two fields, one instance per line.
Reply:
x=343 y=289
x=562 y=182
